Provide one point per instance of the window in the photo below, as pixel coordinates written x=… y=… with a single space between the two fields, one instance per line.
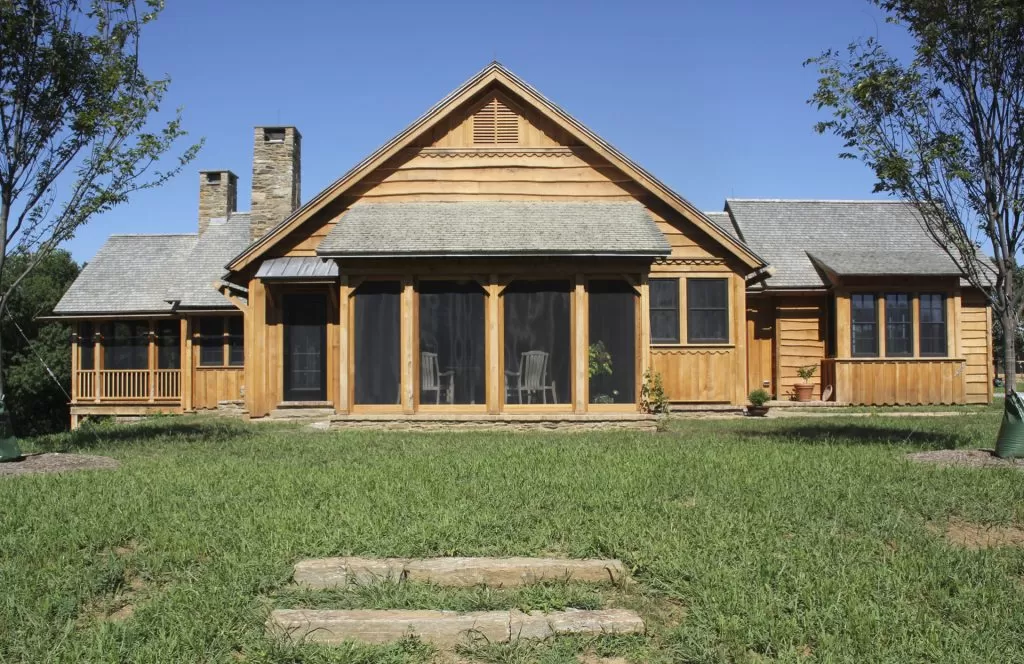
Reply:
x=612 y=352
x=864 y=329
x=933 y=324
x=899 y=325
x=236 y=341
x=707 y=311
x=452 y=353
x=378 y=344
x=126 y=345
x=664 y=311
x=211 y=342
x=168 y=344
x=86 y=347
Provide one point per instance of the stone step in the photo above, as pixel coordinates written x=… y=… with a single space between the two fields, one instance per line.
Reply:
x=446 y=629
x=456 y=571
x=295 y=413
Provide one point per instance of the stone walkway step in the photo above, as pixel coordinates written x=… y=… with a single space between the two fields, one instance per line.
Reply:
x=446 y=629
x=326 y=573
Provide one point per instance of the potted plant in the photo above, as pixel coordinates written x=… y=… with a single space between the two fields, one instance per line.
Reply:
x=805 y=389
x=600 y=365
x=758 y=398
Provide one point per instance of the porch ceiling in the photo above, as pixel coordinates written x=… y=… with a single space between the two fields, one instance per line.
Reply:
x=495 y=228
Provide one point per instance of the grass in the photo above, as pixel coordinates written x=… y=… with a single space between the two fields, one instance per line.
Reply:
x=788 y=540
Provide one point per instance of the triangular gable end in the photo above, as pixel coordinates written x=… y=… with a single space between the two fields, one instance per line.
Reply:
x=493 y=119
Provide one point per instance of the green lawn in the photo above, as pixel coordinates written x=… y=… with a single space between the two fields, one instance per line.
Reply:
x=751 y=540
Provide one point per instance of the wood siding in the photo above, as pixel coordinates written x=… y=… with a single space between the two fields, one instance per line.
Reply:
x=976 y=346
x=695 y=375
x=800 y=333
x=890 y=382
x=211 y=385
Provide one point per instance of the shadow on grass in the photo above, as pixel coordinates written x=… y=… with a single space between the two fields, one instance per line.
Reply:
x=180 y=429
x=866 y=434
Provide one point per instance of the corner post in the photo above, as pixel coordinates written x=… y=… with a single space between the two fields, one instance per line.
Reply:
x=344 y=352
x=492 y=344
x=582 y=358
x=151 y=361
x=97 y=363
x=186 y=364
x=408 y=352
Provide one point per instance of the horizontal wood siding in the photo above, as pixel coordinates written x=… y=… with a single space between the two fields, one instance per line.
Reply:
x=976 y=345
x=800 y=329
x=891 y=382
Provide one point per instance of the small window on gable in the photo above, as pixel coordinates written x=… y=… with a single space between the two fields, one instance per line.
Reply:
x=273 y=135
x=495 y=124
x=213 y=178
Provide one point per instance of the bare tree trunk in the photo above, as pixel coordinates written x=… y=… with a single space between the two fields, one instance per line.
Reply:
x=1009 y=352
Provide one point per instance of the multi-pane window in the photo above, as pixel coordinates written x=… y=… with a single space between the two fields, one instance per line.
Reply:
x=707 y=311
x=86 y=347
x=221 y=341
x=664 y=311
x=864 y=318
x=933 y=324
x=899 y=325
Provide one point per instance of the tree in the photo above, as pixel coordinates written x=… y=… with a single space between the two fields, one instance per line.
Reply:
x=75 y=113
x=943 y=130
x=32 y=348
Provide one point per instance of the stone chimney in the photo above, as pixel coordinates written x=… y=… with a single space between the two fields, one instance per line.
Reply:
x=218 y=196
x=275 y=177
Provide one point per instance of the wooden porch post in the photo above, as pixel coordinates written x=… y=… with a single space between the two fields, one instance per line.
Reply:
x=492 y=345
x=739 y=333
x=151 y=361
x=407 y=350
x=581 y=361
x=75 y=363
x=645 y=331
x=97 y=362
x=186 y=364
x=344 y=352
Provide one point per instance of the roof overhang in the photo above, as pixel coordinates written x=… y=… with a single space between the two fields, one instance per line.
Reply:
x=493 y=74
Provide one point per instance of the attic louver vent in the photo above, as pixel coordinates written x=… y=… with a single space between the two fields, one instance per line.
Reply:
x=495 y=124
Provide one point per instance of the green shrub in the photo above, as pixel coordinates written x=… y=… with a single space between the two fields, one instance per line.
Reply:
x=759 y=397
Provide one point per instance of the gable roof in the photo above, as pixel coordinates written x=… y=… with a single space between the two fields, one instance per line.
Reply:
x=495 y=228
x=851 y=237
x=495 y=73
x=136 y=274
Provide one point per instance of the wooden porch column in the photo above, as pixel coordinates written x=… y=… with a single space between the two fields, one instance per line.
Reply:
x=739 y=334
x=915 y=317
x=407 y=350
x=581 y=361
x=186 y=364
x=344 y=405
x=492 y=345
x=151 y=361
x=97 y=362
x=74 y=363
x=843 y=339
x=645 y=331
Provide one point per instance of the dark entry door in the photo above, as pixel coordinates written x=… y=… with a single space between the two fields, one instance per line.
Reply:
x=305 y=347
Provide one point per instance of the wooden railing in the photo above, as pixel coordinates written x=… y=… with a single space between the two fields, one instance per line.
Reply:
x=128 y=385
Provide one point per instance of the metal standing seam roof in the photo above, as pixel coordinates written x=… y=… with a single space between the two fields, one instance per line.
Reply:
x=851 y=237
x=495 y=228
x=297 y=268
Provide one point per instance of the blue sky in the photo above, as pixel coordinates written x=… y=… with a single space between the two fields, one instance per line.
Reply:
x=707 y=95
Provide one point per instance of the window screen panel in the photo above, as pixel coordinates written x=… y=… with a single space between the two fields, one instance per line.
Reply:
x=236 y=341
x=932 y=307
x=211 y=341
x=126 y=345
x=86 y=347
x=664 y=295
x=707 y=310
x=612 y=353
x=452 y=346
x=899 y=325
x=864 y=325
x=168 y=344
x=377 y=339
x=538 y=355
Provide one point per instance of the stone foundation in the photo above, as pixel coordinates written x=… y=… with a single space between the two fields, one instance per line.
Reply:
x=560 y=422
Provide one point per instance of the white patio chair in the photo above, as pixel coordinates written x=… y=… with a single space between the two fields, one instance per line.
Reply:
x=431 y=378
x=532 y=377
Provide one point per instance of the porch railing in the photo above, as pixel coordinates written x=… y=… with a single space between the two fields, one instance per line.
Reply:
x=128 y=385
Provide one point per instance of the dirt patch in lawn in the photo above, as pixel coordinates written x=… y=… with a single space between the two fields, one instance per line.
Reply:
x=974 y=536
x=55 y=462
x=965 y=459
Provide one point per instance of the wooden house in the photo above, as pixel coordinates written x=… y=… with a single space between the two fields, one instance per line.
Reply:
x=498 y=259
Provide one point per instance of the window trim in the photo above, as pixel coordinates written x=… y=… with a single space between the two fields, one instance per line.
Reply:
x=677 y=310
x=225 y=345
x=724 y=309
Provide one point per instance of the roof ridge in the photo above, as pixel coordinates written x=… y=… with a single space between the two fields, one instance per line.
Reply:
x=815 y=200
x=154 y=235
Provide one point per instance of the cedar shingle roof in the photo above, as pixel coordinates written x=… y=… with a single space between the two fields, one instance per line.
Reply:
x=851 y=237
x=495 y=228
x=143 y=273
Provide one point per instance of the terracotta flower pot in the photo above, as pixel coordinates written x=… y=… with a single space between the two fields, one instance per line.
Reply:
x=804 y=391
x=757 y=411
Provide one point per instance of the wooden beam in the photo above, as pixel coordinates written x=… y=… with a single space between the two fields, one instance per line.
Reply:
x=494 y=379
x=581 y=358
x=151 y=361
x=645 y=330
x=187 y=364
x=407 y=350
x=344 y=403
